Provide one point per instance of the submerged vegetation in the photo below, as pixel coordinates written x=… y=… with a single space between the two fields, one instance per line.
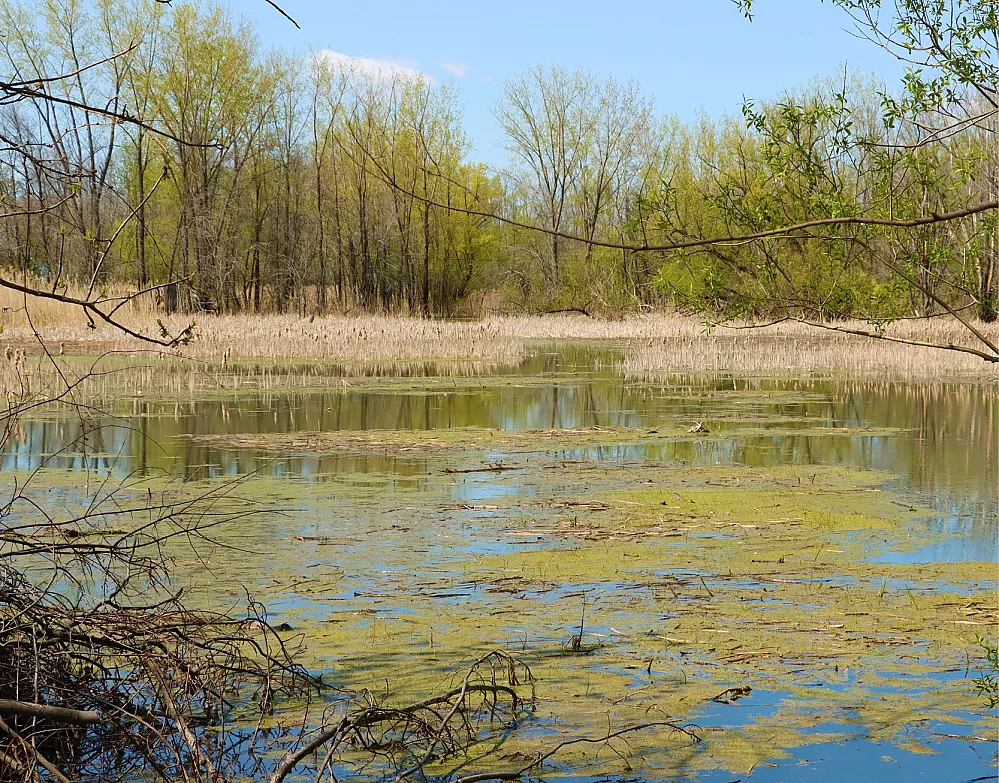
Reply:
x=634 y=587
x=639 y=576
x=987 y=684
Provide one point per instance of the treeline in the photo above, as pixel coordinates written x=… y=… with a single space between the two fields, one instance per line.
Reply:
x=261 y=181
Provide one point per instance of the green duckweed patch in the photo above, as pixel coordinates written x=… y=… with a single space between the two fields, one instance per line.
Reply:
x=703 y=580
x=459 y=440
x=685 y=582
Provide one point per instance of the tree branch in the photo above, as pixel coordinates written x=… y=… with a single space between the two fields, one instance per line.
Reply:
x=875 y=336
x=52 y=769
x=856 y=220
x=58 y=714
x=91 y=307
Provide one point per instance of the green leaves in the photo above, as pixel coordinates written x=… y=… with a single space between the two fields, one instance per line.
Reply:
x=746 y=7
x=848 y=150
x=949 y=47
x=987 y=683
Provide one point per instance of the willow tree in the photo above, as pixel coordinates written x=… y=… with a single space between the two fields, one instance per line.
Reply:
x=213 y=93
x=923 y=211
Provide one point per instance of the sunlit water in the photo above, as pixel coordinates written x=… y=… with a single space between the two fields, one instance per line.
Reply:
x=945 y=459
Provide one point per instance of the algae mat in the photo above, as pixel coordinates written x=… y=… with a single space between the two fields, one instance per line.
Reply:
x=740 y=601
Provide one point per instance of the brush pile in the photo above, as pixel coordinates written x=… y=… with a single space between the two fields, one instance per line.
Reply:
x=104 y=672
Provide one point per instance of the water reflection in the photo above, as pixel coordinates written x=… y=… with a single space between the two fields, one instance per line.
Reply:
x=946 y=457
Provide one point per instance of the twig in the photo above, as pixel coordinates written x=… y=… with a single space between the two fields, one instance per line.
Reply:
x=497 y=468
x=856 y=220
x=543 y=757
x=283 y=13
x=456 y=698
x=53 y=770
x=185 y=730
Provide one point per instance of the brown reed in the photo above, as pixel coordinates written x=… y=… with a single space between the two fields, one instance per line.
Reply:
x=651 y=345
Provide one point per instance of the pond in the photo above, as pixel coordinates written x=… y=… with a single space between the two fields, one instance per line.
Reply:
x=828 y=544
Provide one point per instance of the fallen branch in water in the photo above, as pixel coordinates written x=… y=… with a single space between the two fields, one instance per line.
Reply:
x=731 y=695
x=541 y=758
x=29 y=748
x=58 y=714
x=443 y=726
x=429 y=730
x=496 y=468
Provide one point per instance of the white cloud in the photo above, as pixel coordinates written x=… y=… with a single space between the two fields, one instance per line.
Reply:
x=386 y=69
x=458 y=69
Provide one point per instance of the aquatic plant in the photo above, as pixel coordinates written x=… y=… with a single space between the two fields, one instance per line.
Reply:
x=987 y=683
x=427 y=732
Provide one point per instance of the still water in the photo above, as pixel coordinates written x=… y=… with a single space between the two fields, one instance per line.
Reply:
x=935 y=443
x=942 y=450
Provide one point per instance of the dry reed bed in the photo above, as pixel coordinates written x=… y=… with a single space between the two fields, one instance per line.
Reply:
x=792 y=350
x=47 y=313
x=653 y=345
x=111 y=377
x=332 y=338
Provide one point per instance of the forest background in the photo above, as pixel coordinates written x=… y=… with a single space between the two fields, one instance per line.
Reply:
x=303 y=184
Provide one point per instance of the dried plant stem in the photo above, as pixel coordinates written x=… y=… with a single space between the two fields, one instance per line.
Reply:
x=603 y=738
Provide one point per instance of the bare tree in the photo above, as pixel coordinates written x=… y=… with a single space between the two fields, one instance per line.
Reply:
x=545 y=116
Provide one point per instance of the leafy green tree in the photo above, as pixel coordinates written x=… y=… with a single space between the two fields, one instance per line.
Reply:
x=950 y=91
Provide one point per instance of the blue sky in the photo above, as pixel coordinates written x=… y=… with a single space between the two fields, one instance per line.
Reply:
x=693 y=56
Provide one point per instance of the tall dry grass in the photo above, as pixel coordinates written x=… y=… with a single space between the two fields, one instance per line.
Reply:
x=651 y=345
x=50 y=313
x=792 y=349
x=366 y=338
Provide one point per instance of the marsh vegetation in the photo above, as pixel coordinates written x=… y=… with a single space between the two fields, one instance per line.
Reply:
x=646 y=345
x=265 y=181
x=698 y=482
x=812 y=571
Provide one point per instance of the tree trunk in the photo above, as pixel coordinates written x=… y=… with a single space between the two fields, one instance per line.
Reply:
x=140 y=217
